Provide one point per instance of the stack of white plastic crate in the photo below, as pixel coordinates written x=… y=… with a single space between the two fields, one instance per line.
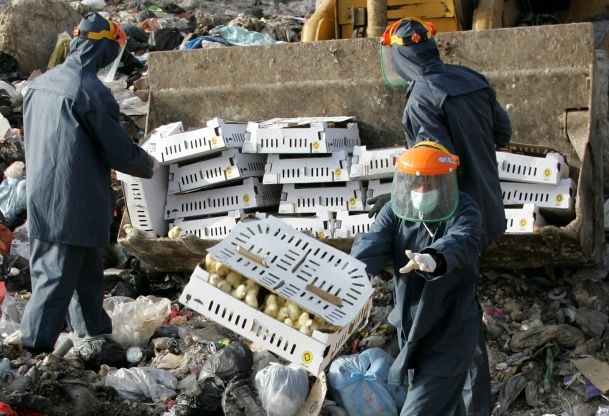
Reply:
x=530 y=183
x=310 y=158
x=211 y=182
x=376 y=166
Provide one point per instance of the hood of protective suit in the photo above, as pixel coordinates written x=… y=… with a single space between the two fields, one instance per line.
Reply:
x=421 y=62
x=93 y=54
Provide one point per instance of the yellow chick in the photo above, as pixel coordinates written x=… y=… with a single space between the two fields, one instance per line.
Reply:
x=251 y=285
x=174 y=233
x=234 y=278
x=225 y=286
x=293 y=311
x=282 y=313
x=214 y=279
x=289 y=322
x=209 y=262
x=239 y=292
x=251 y=298
x=222 y=269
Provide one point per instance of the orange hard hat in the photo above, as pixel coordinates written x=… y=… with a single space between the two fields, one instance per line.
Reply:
x=427 y=159
x=389 y=38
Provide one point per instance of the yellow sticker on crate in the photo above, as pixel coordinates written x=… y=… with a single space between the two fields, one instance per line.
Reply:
x=523 y=222
x=559 y=198
x=352 y=202
x=246 y=199
x=214 y=141
x=338 y=172
x=316 y=146
x=307 y=357
x=229 y=171
x=321 y=234
x=547 y=172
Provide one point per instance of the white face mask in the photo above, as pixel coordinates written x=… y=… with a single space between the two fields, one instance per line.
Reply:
x=424 y=202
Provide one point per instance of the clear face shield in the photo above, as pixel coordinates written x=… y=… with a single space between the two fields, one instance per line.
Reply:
x=388 y=68
x=390 y=73
x=425 y=194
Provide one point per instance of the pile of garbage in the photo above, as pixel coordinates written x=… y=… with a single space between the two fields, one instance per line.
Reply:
x=547 y=340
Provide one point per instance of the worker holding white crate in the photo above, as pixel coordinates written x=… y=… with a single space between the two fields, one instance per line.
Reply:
x=432 y=232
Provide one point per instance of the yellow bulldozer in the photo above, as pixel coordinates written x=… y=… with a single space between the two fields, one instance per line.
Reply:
x=345 y=19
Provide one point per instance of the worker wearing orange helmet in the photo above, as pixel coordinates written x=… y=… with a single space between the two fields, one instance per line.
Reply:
x=432 y=232
x=73 y=138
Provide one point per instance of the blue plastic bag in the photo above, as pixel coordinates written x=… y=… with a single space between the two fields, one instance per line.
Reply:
x=236 y=35
x=359 y=384
x=12 y=199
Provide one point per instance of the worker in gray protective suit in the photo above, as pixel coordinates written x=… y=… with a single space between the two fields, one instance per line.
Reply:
x=72 y=140
x=432 y=232
x=455 y=106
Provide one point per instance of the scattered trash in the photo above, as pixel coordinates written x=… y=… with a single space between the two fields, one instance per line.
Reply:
x=282 y=389
x=594 y=370
x=12 y=193
x=234 y=360
x=602 y=410
x=100 y=350
x=137 y=382
x=359 y=383
x=242 y=37
x=134 y=321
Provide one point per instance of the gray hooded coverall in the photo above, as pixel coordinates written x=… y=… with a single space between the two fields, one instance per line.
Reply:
x=72 y=140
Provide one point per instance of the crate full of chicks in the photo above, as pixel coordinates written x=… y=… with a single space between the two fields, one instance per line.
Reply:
x=283 y=290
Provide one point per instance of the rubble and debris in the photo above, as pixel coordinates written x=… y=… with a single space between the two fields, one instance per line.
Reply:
x=29 y=29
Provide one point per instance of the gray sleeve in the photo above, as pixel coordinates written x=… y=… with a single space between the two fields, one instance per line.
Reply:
x=98 y=113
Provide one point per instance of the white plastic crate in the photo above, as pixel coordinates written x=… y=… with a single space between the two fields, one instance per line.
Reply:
x=544 y=196
x=374 y=164
x=231 y=165
x=249 y=194
x=314 y=352
x=349 y=225
x=144 y=197
x=302 y=135
x=154 y=143
x=216 y=136
x=550 y=169
x=319 y=226
x=299 y=199
x=523 y=220
x=378 y=187
x=321 y=168
x=213 y=228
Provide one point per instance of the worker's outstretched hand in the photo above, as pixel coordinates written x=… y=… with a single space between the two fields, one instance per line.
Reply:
x=377 y=202
x=418 y=261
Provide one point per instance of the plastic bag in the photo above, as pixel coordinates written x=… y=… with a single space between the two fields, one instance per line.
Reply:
x=134 y=321
x=203 y=398
x=99 y=350
x=12 y=199
x=239 y=36
x=11 y=316
x=234 y=360
x=359 y=383
x=282 y=388
x=133 y=383
x=239 y=399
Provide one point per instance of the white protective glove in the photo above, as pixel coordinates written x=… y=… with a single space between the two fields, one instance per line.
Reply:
x=418 y=261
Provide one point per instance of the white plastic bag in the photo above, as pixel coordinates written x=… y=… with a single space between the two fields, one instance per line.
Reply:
x=282 y=389
x=133 y=383
x=134 y=321
x=11 y=316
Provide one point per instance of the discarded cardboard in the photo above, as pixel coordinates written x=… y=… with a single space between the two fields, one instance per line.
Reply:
x=594 y=370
